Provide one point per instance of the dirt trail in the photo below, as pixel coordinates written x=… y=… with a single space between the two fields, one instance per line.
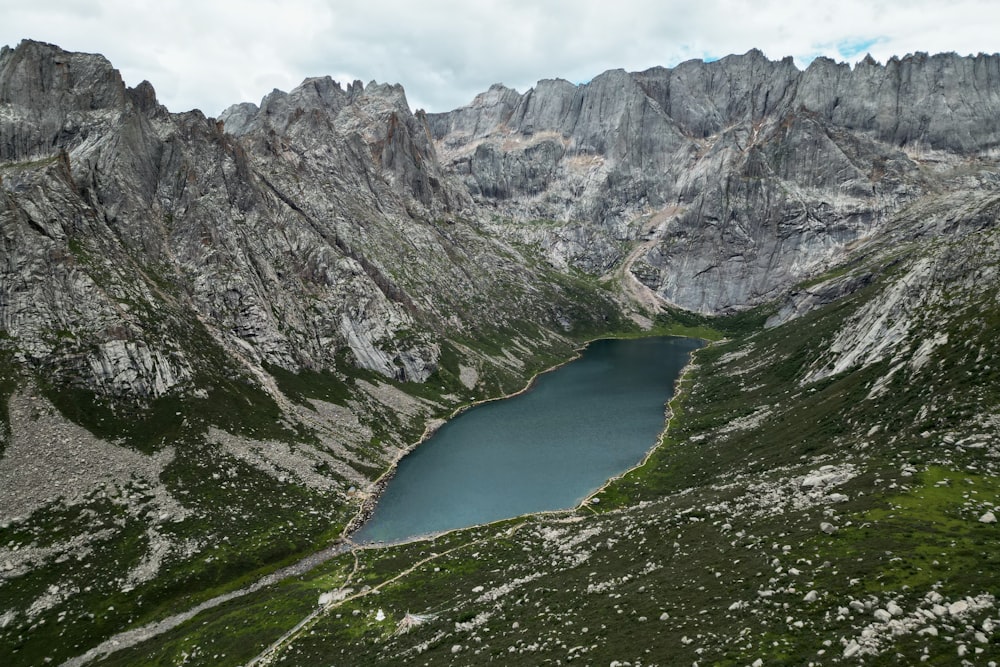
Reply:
x=644 y=302
x=138 y=635
x=272 y=651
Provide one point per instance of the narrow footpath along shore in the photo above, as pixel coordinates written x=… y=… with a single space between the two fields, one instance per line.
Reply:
x=134 y=636
x=138 y=635
x=344 y=544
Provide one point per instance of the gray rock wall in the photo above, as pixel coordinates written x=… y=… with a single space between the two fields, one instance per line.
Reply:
x=751 y=174
x=331 y=220
x=316 y=229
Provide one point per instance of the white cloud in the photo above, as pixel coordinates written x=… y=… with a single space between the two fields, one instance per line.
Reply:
x=212 y=53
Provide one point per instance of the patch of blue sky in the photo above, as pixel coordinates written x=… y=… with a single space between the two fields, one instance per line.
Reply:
x=857 y=46
x=802 y=60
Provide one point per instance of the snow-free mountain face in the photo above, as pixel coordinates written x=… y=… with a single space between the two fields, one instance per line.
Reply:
x=217 y=334
x=738 y=178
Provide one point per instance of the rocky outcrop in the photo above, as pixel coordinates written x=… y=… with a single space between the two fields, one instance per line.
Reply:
x=542 y=156
x=53 y=98
x=315 y=229
x=943 y=101
x=131 y=368
x=812 y=297
x=751 y=174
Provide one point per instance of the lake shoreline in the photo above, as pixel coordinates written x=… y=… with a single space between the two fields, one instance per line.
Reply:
x=668 y=415
x=378 y=486
x=344 y=544
x=336 y=547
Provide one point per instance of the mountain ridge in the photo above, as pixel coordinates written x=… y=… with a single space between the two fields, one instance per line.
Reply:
x=570 y=153
x=273 y=310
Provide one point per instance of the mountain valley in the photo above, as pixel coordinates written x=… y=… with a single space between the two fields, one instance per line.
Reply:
x=219 y=335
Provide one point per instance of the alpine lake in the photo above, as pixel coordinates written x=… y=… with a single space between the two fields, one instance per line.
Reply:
x=544 y=449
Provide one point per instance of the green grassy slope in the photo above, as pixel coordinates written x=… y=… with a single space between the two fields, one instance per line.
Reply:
x=818 y=499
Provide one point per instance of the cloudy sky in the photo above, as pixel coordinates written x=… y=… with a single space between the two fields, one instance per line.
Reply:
x=208 y=54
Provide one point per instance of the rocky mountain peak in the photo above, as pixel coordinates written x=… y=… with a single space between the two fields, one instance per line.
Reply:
x=727 y=151
x=392 y=93
x=50 y=93
x=35 y=74
x=144 y=98
x=315 y=96
x=238 y=119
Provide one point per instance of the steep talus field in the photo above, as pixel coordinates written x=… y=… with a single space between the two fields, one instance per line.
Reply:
x=218 y=335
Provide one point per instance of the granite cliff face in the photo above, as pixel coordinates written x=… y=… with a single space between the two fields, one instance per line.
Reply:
x=740 y=177
x=319 y=224
x=331 y=226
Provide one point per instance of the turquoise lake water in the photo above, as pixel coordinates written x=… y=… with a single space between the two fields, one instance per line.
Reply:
x=545 y=449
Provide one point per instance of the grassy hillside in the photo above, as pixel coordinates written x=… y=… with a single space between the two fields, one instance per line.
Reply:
x=175 y=501
x=825 y=494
